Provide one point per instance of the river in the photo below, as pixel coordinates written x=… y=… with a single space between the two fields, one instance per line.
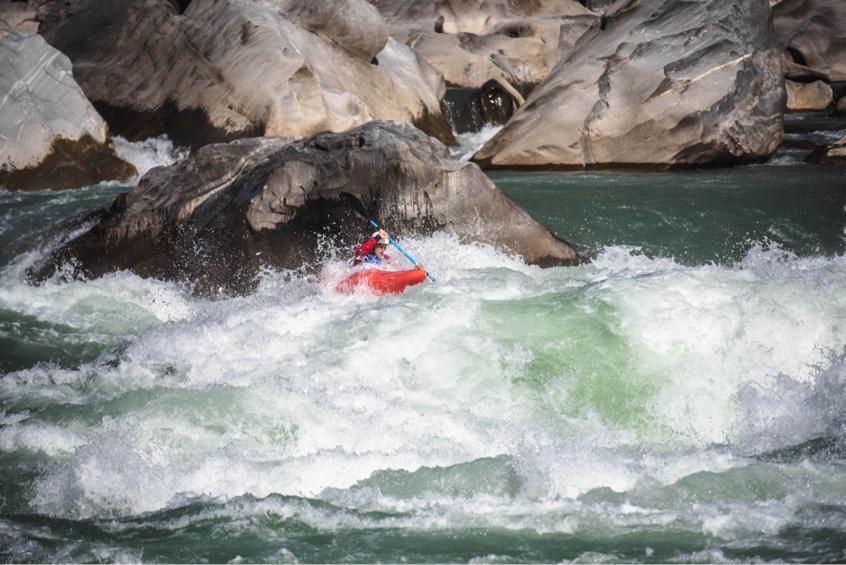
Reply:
x=680 y=398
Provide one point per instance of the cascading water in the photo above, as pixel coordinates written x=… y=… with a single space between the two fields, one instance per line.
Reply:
x=153 y=152
x=676 y=399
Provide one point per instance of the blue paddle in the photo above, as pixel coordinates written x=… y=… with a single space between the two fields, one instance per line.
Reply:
x=403 y=251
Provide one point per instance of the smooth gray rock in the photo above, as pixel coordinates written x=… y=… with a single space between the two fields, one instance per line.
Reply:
x=226 y=69
x=665 y=83
x=813 y=32
x=50 y=134
x=355 y=25
x=218 y=217
x=515 y=43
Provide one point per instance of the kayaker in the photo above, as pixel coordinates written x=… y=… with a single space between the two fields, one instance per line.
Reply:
x=372 y=251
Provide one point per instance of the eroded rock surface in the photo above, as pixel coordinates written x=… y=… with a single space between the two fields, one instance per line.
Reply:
x=813 y=32
x=230 y=209
x=50 y=134
x=665 y=83
x=515 y=43
x=225 y=69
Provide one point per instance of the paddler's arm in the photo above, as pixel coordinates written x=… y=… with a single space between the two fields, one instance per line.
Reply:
x=365 y=248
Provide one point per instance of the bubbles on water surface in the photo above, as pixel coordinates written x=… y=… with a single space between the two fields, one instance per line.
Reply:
x=618 y=375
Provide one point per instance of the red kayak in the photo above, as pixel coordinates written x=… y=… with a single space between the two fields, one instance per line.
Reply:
x=381 y=282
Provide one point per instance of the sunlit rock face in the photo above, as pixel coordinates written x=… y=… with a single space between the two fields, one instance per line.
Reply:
x=661 y=83
x=515 y=43
x=50 y=134
x=226 y=69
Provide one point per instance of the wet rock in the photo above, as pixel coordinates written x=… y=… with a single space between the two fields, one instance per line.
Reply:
x=50 y=134
x=665 y=83
x=226 y=69
x=470 y=109
x=816 y=95
x=813 y=33
x=230 y=209
x=834 y=154
x=472 y=42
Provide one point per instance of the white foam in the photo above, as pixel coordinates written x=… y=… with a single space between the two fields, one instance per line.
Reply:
x=297 y=390
x=116 y=304
x=469 y=143
x=148 y=153
x=52 y=440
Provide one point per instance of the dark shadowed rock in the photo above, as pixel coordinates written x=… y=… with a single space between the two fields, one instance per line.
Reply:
x=226 y=69
x=834 y=154
x=660 y=83
x=50 y=134
x=470 y=109
x=813 y=32
x=230 y=209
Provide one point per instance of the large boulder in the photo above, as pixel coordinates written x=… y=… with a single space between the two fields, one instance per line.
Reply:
x=50 y=134
x=231 y=209
x=225 y=69
x=815 y=95
x=661 y=83
x=515 y=43
x=813 y=32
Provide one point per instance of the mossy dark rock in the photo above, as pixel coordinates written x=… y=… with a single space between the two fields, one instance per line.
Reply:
x=70 y=164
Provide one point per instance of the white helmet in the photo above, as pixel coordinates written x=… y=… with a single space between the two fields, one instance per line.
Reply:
x=381 y=241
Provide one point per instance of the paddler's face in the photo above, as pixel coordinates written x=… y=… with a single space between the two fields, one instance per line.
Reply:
x=379 y=250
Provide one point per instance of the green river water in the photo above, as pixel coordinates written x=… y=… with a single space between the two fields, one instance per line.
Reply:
x=680 y=398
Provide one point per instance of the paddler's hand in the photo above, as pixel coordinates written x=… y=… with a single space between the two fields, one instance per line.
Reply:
x=383 y=234
x=420 y=267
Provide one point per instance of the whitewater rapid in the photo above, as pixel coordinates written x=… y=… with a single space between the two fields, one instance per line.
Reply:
x=654 y=404
x=623 y=374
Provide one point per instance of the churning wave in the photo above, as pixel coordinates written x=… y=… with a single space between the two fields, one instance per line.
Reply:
x=503 y=396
